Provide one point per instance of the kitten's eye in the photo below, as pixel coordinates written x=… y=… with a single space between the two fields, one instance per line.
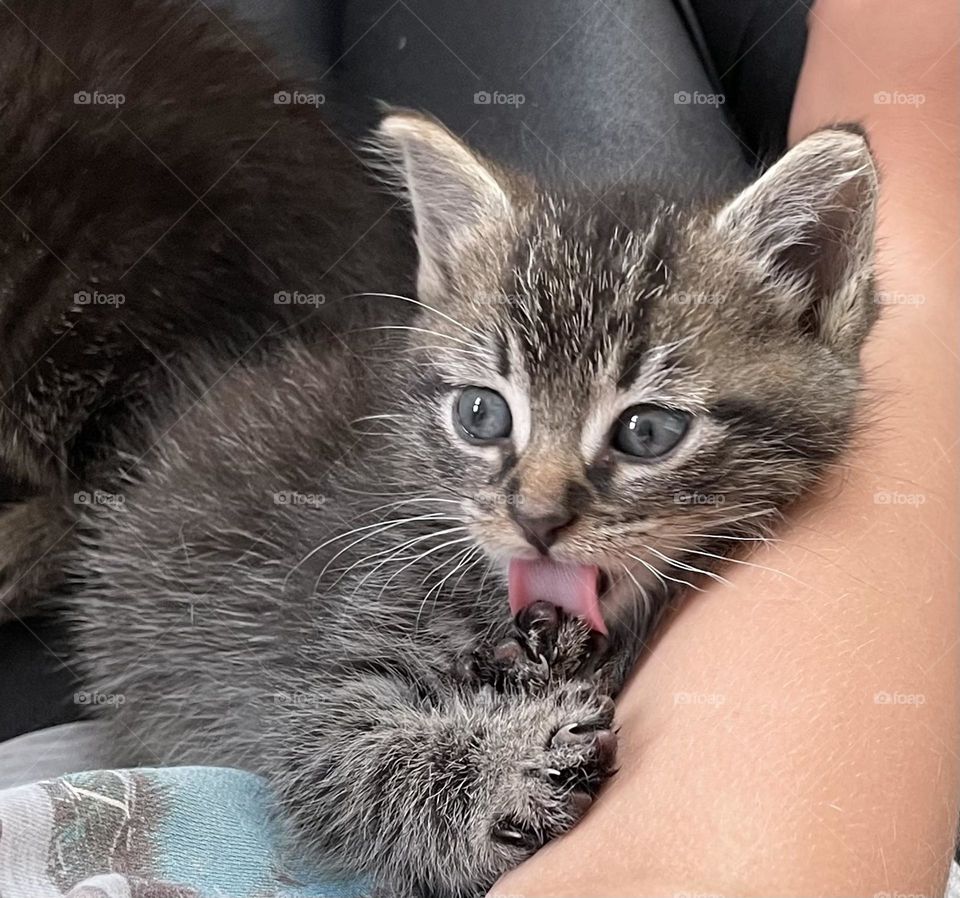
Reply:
x=649 y=431
x=483 y=415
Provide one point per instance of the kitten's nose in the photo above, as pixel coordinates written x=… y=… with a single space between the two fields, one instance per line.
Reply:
x=542 y=530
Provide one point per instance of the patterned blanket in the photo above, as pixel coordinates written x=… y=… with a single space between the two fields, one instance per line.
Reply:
x=181 y=832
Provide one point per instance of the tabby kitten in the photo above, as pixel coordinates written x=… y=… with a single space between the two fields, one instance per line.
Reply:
x=315 y=574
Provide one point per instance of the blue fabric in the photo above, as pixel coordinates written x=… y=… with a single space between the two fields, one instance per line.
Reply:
x=179 y=832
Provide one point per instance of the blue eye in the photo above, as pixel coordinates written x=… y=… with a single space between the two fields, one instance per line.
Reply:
x=483 y=415
x=647 y=432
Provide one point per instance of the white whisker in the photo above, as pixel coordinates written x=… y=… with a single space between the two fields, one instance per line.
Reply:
x=423 y=305
x=686 y=567
x=388 y=525
x=423 y=330
x=661 y=575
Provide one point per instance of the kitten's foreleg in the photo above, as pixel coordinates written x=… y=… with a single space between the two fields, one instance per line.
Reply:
x=440 y=795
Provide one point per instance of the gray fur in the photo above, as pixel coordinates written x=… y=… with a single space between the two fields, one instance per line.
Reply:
x=306 y=576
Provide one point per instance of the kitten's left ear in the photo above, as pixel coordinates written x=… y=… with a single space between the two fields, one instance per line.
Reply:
x=459 y=200
x=807 y=225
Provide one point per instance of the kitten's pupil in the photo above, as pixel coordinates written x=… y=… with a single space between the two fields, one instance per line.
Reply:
x=649 y=431
x=483 y=415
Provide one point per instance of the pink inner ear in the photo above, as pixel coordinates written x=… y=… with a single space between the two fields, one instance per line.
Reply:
x=572 y=587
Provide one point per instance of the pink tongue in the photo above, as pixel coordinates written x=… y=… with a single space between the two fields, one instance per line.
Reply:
x=572 y=587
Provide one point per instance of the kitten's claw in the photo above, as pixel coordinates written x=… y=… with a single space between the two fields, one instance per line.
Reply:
x=538 y=626
x=516 y=835
x=548 y=646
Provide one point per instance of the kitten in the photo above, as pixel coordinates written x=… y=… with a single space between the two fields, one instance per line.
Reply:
x=315 y=573
x=155 y=200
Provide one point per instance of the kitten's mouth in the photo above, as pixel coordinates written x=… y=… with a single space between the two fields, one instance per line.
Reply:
x=576 y=588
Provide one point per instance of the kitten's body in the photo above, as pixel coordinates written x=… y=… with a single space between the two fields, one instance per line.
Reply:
x=299 y=566
x=306 y=574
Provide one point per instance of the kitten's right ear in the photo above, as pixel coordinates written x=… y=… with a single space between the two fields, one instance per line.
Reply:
x=806 y=227
x=458 y=199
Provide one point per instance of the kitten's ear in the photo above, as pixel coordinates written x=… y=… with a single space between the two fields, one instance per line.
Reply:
x=457 y=198
x=807 y=225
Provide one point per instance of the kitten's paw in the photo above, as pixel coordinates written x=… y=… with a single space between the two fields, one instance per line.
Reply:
x=567 y=644
x=489 y=779
x=558 y=778
x=548 y=645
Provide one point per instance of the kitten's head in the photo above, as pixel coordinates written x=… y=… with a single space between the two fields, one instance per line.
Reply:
x=616 y=383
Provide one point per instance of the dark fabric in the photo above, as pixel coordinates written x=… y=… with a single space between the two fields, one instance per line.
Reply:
x=598 y=86
x=752 y=50
x=36 y=689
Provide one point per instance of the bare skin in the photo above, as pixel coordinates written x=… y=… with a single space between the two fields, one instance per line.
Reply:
x=796 y=732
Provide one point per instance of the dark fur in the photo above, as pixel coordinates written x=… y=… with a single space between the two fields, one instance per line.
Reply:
x=198 y=199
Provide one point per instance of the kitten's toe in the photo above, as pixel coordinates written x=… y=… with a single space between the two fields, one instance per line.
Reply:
x=548 y=645
x=566 y=643
x=539 y=627
x=583 y=751
x=515 y=665
x=559 y=780
x=509 y=665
